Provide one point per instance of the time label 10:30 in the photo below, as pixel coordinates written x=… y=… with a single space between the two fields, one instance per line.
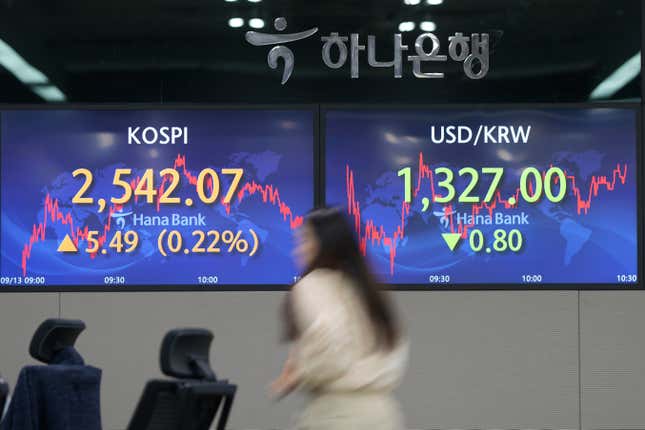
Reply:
x=533 y=184
x=207 y=185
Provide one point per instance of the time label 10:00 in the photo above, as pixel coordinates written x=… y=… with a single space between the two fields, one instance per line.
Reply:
x=207 y=185
x=533 y=184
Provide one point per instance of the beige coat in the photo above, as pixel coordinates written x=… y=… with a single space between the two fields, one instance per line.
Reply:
x=350 y=381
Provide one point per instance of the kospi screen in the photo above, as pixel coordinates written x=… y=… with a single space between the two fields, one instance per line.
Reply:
x=154 y=198
x=487 y=197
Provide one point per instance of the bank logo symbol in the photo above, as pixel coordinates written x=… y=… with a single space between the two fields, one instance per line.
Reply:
x=119 y=216
x=443 y=216
x=262 y=39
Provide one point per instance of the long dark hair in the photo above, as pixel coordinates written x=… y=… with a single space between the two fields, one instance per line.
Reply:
x=338 y=249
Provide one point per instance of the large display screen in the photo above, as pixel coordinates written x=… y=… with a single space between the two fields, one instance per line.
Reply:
x=489 y=197
x=153 y=198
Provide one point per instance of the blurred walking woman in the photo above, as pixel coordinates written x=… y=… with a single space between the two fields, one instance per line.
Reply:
x=348 y=352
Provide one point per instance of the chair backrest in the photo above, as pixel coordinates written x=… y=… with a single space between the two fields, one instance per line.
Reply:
x=55 y=397
x=203 y=401
x=183 y=405
x=158 y=407
x=4 y=394
x=194 y=400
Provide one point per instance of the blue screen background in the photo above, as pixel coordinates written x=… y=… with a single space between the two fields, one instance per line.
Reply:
x=560 y=245
x=41 y=149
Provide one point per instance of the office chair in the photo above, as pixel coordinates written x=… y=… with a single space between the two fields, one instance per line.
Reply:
x=65 y=393
x=4 y=394
x=192 y=401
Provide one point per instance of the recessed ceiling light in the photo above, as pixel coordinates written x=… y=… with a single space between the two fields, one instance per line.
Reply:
x=21 y=69
x=50 y=93
x=434 y=2
x=617 y=80
x=428 y=26
x=406 y=26
x=256 y=23
x=411 y=2
x=235 y=22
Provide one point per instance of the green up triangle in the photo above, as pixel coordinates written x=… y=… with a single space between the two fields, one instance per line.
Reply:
x=452 y=239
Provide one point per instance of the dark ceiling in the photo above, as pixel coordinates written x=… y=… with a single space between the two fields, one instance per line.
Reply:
x=181 y=51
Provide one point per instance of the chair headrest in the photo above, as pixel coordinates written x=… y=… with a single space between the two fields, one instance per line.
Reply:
x=52 y=336
x=185 y=354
